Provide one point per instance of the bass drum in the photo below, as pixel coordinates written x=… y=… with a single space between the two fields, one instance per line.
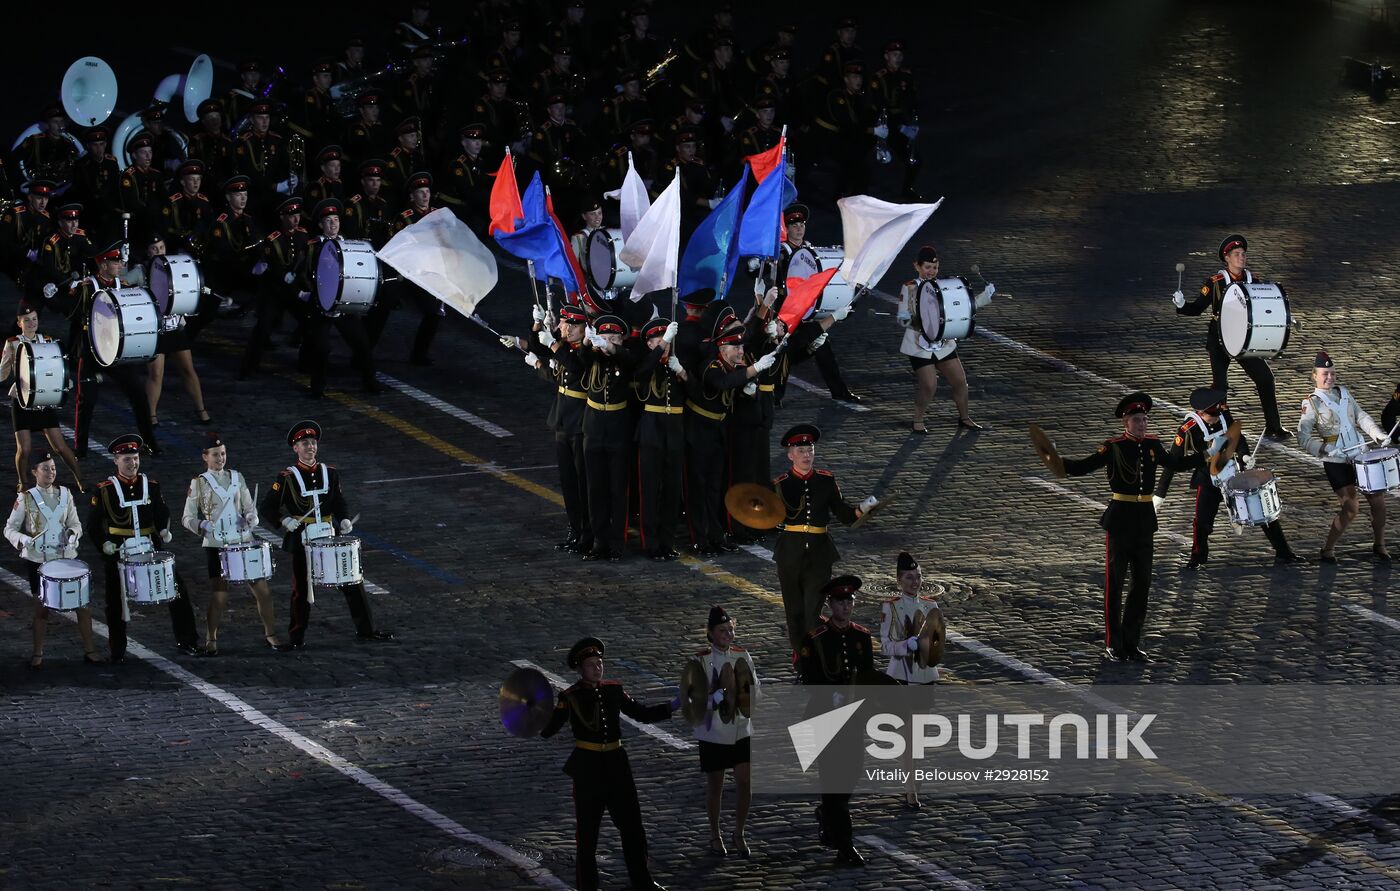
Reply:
x=807 y=261
x=1254 y=320
x=176 y=284
x=946 y=309
x=123 y=326
x=347 y=277
x=42 y=374
x=606 y=271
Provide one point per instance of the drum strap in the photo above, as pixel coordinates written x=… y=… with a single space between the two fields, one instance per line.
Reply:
x=225 y=521
x=313 y=494
x=1349 y=435
x=1248 y=277
x=132 y=505
x=52 y=535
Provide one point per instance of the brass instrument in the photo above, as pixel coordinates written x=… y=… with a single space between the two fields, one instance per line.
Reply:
x=525 y=128
x=654 y=74
x=914 y=149
x=882 y=143
x=296 y=158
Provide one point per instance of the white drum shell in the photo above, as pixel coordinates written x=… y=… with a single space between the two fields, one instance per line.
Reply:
x=1378 y=470
x=176 y=283
x=347 y=277
x=42 y=374
x=946 y=309
x=606 y=271
x=1254 y=320
x=65 y=584
x=149 y=578
x=807 y=261
x=247 y=562
x=335 y=561
x=123 y=326
x=1253 y=498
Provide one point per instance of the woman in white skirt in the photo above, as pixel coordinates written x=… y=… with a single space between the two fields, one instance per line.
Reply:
x=724 y=745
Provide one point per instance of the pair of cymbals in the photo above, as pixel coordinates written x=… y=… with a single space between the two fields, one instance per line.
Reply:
x=756 y=506
x=1047 y=452
x=736 y=680
x=931 y=637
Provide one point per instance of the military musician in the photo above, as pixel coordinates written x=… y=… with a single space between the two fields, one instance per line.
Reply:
x=724 y=741
x=28 y=421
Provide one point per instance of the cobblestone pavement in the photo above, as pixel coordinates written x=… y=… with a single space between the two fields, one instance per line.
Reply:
x=1082 y=157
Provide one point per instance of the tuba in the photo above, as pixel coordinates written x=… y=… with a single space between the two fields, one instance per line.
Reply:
x=89 y=91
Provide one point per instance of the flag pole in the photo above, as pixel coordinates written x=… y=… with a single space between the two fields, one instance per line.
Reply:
x=534 y=288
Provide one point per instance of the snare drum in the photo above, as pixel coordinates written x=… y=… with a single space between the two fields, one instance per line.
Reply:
x=1254 y=320
x=946 y=309
x=335 y=561
x=176 y=284
x=1252 y=496
x=347 y=277
x=1378 y=470
x=246 y=562
x=123 y=327
x=43 y=377
x=65 y=584
x=606 y=271
x=149 y=578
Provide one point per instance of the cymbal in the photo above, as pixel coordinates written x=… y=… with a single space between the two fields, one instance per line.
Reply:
x=879 y=506
x=695 y=692
x=931 y=638
x=1227 y=451
x=756 y=506
x=743 y=681
x=1047 y=452
x=729 y=684
x=527 y=700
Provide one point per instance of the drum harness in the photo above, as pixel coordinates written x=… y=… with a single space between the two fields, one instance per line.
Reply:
x=315 y=496
x=1348 y=438
x=1220 y=293
x=229 y=499
x=53 y=519
x=136 y=536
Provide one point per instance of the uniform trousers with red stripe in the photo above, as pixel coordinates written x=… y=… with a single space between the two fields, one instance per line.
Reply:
x=1123 y=623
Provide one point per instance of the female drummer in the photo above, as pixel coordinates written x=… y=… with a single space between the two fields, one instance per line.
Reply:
x=1331 y=429
x=930 y=359
x=27 y=421
x=209 y=496
x=43 y=526
x=724 y=745
x=174 y=343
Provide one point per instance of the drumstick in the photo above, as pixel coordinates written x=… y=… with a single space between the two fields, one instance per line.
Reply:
x=1180 y=268
x=977 y=271
x=1391 y=435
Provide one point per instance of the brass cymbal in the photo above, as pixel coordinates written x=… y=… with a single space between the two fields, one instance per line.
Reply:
x=695 y=692
x=743 y=681
x=527 y=700
x=729 y=684
x=1227 y=451
x=879 y=506
x=931 y=638
x=1047 y=452
x=757 y=507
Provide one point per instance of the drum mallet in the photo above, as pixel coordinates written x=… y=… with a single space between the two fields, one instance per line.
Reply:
x=977 y=271
x=1180 y=268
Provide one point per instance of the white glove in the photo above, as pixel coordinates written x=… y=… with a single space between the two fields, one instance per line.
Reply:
x=546 y=339
x=881 y=131
x=770 y=298
x=553 y=366
x=288 y=278
x=290 y=524
x=988 y=291
x=165 y=536
x=904 y=318
x=671 y=331
x=599 y=343
x=345 y=527
x=1215 y=446
x=247 y=522
x=50 y=289
x=25 y=540
x=507 y=341
x=771 y=328
x=303 y=296
x=912 y=643
x=714 y=202
x=909 y=131
x=727 y=124
x=537 y=313
x=259 y=267
x=1178 y=299
x=206 y=527
x=869 y=502
x=109 y=548
x=841 y=313
x=1157 y=502
x=817 y=342
x=752 y=264
x=285 y=186
x=532 y=360
x=674 y=364
x=32 y=255
x=837 y=698
x=750 y=388
x=72 y=537
x=717 y=697
x=766 y=361
x=1248 y=462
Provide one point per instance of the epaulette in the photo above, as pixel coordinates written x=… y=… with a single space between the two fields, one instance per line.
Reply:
x=859 y=627
x=408 y=214
x=1188 y=423
x=53 y=238
x=818 y=631
x=80 y=232
x=221 y=218
x=610 y=683
x=201 y=196
x=275 y=235
x=354 y=199
x=736 y=649
x=105 y=482
x=12 y=338
x=1219 y=276
x=247 y=136
x=779 y=478
x=177 y=196
x=824 y=473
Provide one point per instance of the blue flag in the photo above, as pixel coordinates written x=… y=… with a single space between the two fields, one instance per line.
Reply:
x=535 y=239
x=709 y=257
x=762 y=226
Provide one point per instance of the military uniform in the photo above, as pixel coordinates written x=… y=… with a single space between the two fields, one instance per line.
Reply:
x=229 y=257
x=600 y=770
x=469 y=190
x=109 y=522
x=95 y=179
x=660 y=446
x=185 y=218
x=140 y=192
x=607 y=439
x=847 y=118
x=263 y=159
x=63 y=258
x=23 y=232
x=900 y=618
x=315 y=345
x=291 y=505
x=800 y=344
x=565 y=369
x=213 y=146
x=1129 y=523
x=316 y=119
x=283 y=254
x=894 y=92
x=709 y=401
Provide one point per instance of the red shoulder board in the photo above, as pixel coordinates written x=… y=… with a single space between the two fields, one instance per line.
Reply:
x=407 y=215
x=859 y=627
x=355 y=199
x=275 y=235
x=102 y=483
x=737 y=649
x=177 y=196
x=779 y=478
x=222 y=217
x=825 y=473
x=80 y=232
x=610 y=683
x=12 y=338
x=53 y=239
x=819 y=630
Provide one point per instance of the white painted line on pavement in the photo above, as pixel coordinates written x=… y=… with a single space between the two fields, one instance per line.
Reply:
x=813 y=388
x=1374 y=616
x=944 y=878
x=538 y=874
x=491 y=468
x=652 y=730
x=446 y=408
x=1096 y=505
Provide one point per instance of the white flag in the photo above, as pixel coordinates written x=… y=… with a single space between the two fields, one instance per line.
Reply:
x=655 y=245
x=634 y=198
x=443 y=257
x=874 y=232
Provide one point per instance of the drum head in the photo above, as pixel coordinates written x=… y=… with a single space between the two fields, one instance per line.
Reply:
x=930 y=301
x=105 y=328
x=329 y=265
x=602 y=250
x=1234 y=319
x=1375 y=455
x=63 y=569
x=162 y=284
x=1248 y=480
x=804 y=263
x=24 y=365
